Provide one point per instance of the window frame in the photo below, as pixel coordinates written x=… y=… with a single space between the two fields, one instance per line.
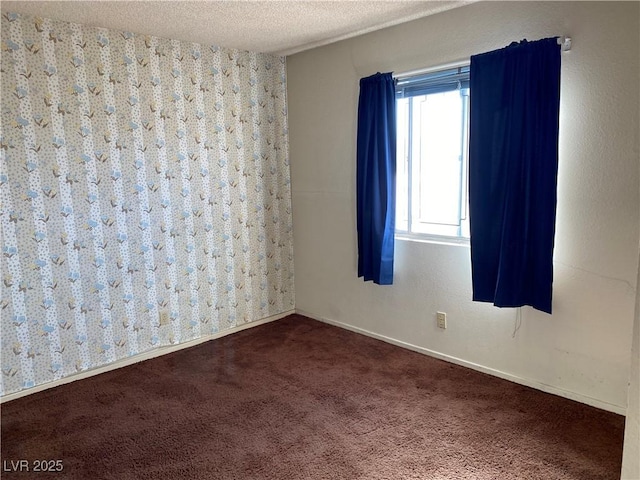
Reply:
x=424 y=82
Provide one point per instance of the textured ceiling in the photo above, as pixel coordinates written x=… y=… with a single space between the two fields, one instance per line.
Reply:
x=282 y=27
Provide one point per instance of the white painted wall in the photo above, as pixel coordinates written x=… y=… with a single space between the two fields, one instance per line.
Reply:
x=631 y=454
x=583 y=349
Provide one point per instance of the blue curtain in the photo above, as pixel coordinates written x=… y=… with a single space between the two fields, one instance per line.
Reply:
x=513 y=166
x=376 y=178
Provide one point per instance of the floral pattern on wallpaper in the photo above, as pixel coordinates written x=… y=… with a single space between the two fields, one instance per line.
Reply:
x=139 y=176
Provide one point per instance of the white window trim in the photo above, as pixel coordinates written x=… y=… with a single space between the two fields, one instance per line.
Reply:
x=431 y=238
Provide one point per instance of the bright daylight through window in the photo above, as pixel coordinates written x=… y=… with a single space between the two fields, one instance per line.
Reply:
x=432 y=135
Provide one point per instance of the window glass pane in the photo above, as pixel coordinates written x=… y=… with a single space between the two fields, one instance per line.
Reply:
x=437 y=158
x=402 y=165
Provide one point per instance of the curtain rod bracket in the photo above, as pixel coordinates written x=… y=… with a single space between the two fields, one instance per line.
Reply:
x=565 y=43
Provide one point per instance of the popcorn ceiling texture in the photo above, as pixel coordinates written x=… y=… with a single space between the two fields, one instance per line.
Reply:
x=260 y=26
x=138 y=175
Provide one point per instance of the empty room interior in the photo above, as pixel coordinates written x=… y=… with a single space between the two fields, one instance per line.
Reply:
x=320 y=240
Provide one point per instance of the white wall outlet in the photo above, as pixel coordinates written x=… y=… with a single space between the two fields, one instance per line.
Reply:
x=164 y=317
x=441 y=318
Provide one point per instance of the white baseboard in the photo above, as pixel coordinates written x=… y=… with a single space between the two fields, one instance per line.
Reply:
x=594 y=402
x=140 y=357
x=174 y=348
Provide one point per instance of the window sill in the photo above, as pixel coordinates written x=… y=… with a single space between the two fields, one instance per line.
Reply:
x=436 y=239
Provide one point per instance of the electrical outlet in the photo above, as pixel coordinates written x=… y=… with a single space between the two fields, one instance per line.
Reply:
x=441 y=318
x=164 y=317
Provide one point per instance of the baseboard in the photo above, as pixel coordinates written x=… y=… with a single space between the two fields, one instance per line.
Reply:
x=594 y=402
x=140 y=358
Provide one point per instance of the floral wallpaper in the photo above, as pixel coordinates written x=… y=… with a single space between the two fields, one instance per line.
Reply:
x=144 y=195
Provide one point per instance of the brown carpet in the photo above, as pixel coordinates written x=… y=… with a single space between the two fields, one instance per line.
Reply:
x=298 y=399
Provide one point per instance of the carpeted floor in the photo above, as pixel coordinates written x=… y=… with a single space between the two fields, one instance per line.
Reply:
x=298 y=399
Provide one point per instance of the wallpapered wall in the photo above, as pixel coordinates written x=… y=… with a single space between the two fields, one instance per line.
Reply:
x=138 y=175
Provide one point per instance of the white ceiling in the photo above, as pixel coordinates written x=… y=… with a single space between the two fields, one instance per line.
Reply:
x=273 y=26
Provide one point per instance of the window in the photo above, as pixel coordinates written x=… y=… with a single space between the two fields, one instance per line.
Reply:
x=432 y=135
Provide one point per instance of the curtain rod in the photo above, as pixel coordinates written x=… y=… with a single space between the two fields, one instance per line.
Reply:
x=563 y=41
